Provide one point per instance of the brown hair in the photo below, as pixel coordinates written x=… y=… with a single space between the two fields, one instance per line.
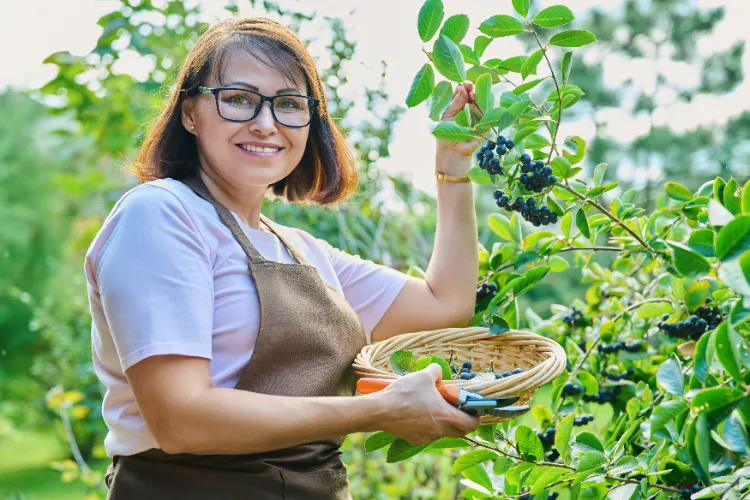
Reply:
x=327 y=172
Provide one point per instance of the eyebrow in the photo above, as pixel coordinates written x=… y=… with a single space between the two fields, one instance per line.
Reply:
x=253 y=87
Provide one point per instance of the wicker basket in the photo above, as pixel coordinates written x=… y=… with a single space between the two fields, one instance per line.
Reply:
x=540 y=358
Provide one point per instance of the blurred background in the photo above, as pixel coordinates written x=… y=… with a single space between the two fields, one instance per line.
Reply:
x=81 y=80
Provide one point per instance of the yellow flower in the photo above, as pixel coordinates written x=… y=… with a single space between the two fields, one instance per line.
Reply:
x=79 y=411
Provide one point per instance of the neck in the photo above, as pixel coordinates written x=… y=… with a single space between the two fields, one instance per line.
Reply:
x=245 y=201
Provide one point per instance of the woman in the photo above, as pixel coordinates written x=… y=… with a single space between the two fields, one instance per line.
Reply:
x=225 y=340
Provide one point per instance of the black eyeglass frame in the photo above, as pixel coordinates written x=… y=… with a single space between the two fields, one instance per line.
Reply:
x=215 y=91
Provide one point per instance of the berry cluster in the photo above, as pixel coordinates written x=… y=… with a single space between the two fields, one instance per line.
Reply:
x=618 y=376
x=535 y=176
x=486 y=290
x=547 y=437
x=704 y=319
x=613 y=348
x=573 y=319
x=582 y=420
x=551 y=457
x=538 y=216
x=687 y=492
x=467 y=374
x=570 y=389
x=486 y=155
x=603 y=396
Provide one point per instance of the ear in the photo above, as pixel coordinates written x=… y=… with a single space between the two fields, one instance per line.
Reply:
x=187 y=115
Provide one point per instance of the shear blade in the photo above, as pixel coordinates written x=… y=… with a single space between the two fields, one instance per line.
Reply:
x=508 y=411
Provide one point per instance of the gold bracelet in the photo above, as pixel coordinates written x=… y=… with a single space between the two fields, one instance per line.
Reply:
x=451 y=178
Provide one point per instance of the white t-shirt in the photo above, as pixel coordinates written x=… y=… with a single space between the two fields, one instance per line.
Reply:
x=165 y=276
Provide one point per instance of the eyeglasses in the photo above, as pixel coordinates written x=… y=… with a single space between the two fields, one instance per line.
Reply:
x=242 y=105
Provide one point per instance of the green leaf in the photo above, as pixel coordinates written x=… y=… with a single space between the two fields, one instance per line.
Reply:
x=528 y=444
x=471 y=459
x=430 y=18
x=500 y=225
x=551 y=17
x=447 y=58
x=469 y=57
x=702 y=241
x=498 y=325
x=714 y=398
x=479 y=176
x=730 y=198
x=567 y=65
x=745 y=203
x=562 y=435
x=456 y=27
x=528 y=85
x=734 y=238
x=492 y=118
x=548 y=477
x=446 y=443
x=599 y=171
x=590 y=385
x=718 y=188
x=524 y=133
x=670 y=377
x=702 y=444
x=522 y=7
x=451 y=131
x=403 y=362
x=557 y=264
x=625 y=464
x=421 y=86
x=426 y=361
x=501 y=25
x=566 y=223
x=696 y=295
x=378 y=440
x=687 y=261
x=704 y=355
x=677 y=191
x=591 y=460
x=483 y=91
x=512 y=64
x=480 y=45
x=665 y=412
x=718 y=215
x=726 y=343
x=529 y=279
x=653 y=309
x=530 y=64
x=573 y=38
x=401 y=450
x=582 y=223
x=586 y=441
x=560 y=167
x=440 y=98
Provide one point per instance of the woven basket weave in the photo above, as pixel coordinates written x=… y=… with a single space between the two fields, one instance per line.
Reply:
x=540 y=358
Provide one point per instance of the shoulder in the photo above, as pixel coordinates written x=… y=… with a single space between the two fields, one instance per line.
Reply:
x=155 y=196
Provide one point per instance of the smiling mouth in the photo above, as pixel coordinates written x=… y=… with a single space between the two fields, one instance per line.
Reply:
x=256 y=149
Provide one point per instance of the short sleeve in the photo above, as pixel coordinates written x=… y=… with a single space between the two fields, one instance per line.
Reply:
x=368 y=287
x=155 y=279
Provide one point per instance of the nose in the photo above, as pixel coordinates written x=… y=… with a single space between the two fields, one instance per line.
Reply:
x=263 y=121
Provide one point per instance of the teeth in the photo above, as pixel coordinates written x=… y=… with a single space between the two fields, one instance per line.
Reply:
x=256 y=149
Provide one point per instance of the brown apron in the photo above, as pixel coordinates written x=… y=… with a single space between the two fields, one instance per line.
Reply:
x=308 y=338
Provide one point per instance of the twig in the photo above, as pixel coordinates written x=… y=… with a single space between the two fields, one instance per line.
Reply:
x=559 y=94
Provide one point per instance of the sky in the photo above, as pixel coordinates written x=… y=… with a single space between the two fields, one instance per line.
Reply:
x=384 y=30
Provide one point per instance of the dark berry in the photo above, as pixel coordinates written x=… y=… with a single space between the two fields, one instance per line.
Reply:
x=525 y=159
x=500 y=140
x=517 y=371
x=507 y=374
x=497 y=193
x=464 y=376
x=467 y=364
x=539 y=164
x=509 y=144
x=501 y=150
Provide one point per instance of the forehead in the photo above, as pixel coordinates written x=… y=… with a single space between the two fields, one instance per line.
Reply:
x=253 y=66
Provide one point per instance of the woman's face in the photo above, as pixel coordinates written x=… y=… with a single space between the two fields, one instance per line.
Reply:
x=223 y=145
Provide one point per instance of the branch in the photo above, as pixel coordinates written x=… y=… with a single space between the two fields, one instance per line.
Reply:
x=610 y=215
x=559 y=94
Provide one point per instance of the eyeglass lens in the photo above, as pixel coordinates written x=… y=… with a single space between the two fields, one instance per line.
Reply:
x=241 y=105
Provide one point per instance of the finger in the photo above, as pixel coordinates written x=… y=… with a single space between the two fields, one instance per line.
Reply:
x=434 y=372
x=456 y=105
x=465 y=422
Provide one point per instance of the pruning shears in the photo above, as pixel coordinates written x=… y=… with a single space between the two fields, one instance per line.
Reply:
x=470 y=402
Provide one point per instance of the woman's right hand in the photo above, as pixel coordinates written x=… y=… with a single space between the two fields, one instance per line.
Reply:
x=419 y=414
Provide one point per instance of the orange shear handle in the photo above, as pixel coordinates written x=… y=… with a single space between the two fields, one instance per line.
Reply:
x=450 y=393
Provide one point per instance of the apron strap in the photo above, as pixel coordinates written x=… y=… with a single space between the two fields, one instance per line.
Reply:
x=197 y=185
x=278 y=231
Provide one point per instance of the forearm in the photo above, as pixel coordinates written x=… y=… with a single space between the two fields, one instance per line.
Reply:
x=453 y=269
x=229 y=421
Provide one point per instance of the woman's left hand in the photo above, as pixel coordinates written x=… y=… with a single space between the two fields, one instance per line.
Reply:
x=455 y=157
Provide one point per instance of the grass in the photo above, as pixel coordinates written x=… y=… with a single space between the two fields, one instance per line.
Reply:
x=25 y=473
